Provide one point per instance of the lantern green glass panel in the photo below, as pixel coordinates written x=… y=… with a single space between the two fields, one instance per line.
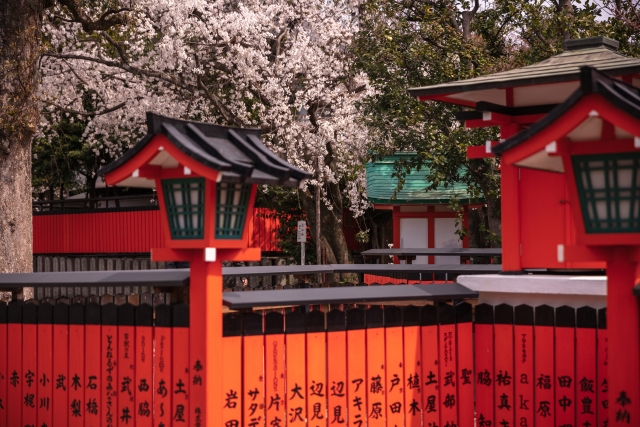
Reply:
x=609 y=191
x=231 y=209
x=184 y=200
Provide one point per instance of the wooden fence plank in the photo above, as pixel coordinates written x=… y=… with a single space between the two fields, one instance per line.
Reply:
x=544 y=366
x=465 y=377
x=336 y=367
x=295 y=356
x=523 y=365
x=109 y=367
x=356 y=369
x=316 y=370
x=126 y=364
x=60 y=362
x=274 y=369
x=412 y=366
x=143 y=386
x=483 y=353
x=232 y=372
x=429 y=354
x=180 y=388
x=376 y=376
x=447 y=365
x=14 y=363
x=565 y=359
x=93 y=374
x=603 y=368
x=76 y=380
x=504 y=369
x=394 y=353
x=586 y=363
x=163 y=364
x=4 y=374
x=30 y=363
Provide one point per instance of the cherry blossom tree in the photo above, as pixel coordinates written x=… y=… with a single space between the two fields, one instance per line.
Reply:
x=282 y=66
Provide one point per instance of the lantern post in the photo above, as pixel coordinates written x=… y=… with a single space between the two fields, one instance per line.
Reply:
x=206 y=178
x=593 y=138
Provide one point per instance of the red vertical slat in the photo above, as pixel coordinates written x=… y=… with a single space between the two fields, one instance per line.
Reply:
x=126 y=364
x=45 y=364
x=544 y=366
x=274 y=369
x=14 y=363
x=295 y=356
x=504 y=369
x=356 y=369
x=447 y=365
x=376 y=376
x=76 y=381
x=253 y=370
x=337 y=368
x=4 y=375
x=316 y=370
x=524 y=378
x=586 y=385
x=602 y=369
x=162 y=365
x=430 y=369
x=232 y=372
x=394 y=354
x=484 y=358
x=60 y=378
x=144 y=366
x=93 y=372
x=412 y=366
x=109 y=368
x=464 y=335
x=180 y=386
x=565 y=358
x=30 y=363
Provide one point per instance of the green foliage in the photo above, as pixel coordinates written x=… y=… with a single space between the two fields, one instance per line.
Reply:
x=287 y=207
x=408 y=43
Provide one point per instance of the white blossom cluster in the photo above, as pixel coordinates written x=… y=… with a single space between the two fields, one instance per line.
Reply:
x=280 y=65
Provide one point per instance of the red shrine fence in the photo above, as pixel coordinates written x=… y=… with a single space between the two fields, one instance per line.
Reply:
x=85 y=362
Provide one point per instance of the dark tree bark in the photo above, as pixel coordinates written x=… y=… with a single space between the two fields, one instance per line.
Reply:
x=19 y=51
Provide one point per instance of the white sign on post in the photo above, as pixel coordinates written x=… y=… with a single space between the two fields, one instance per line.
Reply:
x=302 y=232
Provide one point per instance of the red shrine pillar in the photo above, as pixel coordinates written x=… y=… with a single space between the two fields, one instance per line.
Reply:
x=623 y=326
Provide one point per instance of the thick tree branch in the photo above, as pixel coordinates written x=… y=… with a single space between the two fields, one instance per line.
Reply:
x=83 y=113
x=107 y=20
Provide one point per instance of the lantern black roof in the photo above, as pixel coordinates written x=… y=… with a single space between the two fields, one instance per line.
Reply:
x=238 y=153
x=620 y=94
x=598 y=52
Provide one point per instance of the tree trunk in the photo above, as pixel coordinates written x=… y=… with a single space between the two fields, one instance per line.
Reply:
x=19 y=37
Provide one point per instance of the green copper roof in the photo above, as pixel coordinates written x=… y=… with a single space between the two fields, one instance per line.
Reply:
x=381 y=184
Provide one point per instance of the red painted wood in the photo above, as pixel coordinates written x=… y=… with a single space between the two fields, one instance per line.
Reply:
x=93 y=376
x=337 y=372
x=143 y=389
x=356 y=369
x=448 y=369
x=109 y=368
x=504 y=365
x=4 y=375
x=295 y=375
x=126 y=373
x=524 y=370
x=545 y=378
x=14 y=366
x=586 y=376
x=60 y=377
x=76 y=382
x=484 y=356
x=464 y=346
x=602 y=370
x=430 y=379
x=180 y=387
x=376 y=375
x=232 y=381
x=45 y=374
x=395 y=386
x=162 y=364
x=30 y=377
x=565 y=378
x=412 y=372
x=317 y=375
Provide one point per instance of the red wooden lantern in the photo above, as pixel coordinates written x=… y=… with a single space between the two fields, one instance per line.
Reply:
x=593 y=138
x=206 y=176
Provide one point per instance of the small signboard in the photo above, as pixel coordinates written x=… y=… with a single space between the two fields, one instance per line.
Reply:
x=302 y=232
